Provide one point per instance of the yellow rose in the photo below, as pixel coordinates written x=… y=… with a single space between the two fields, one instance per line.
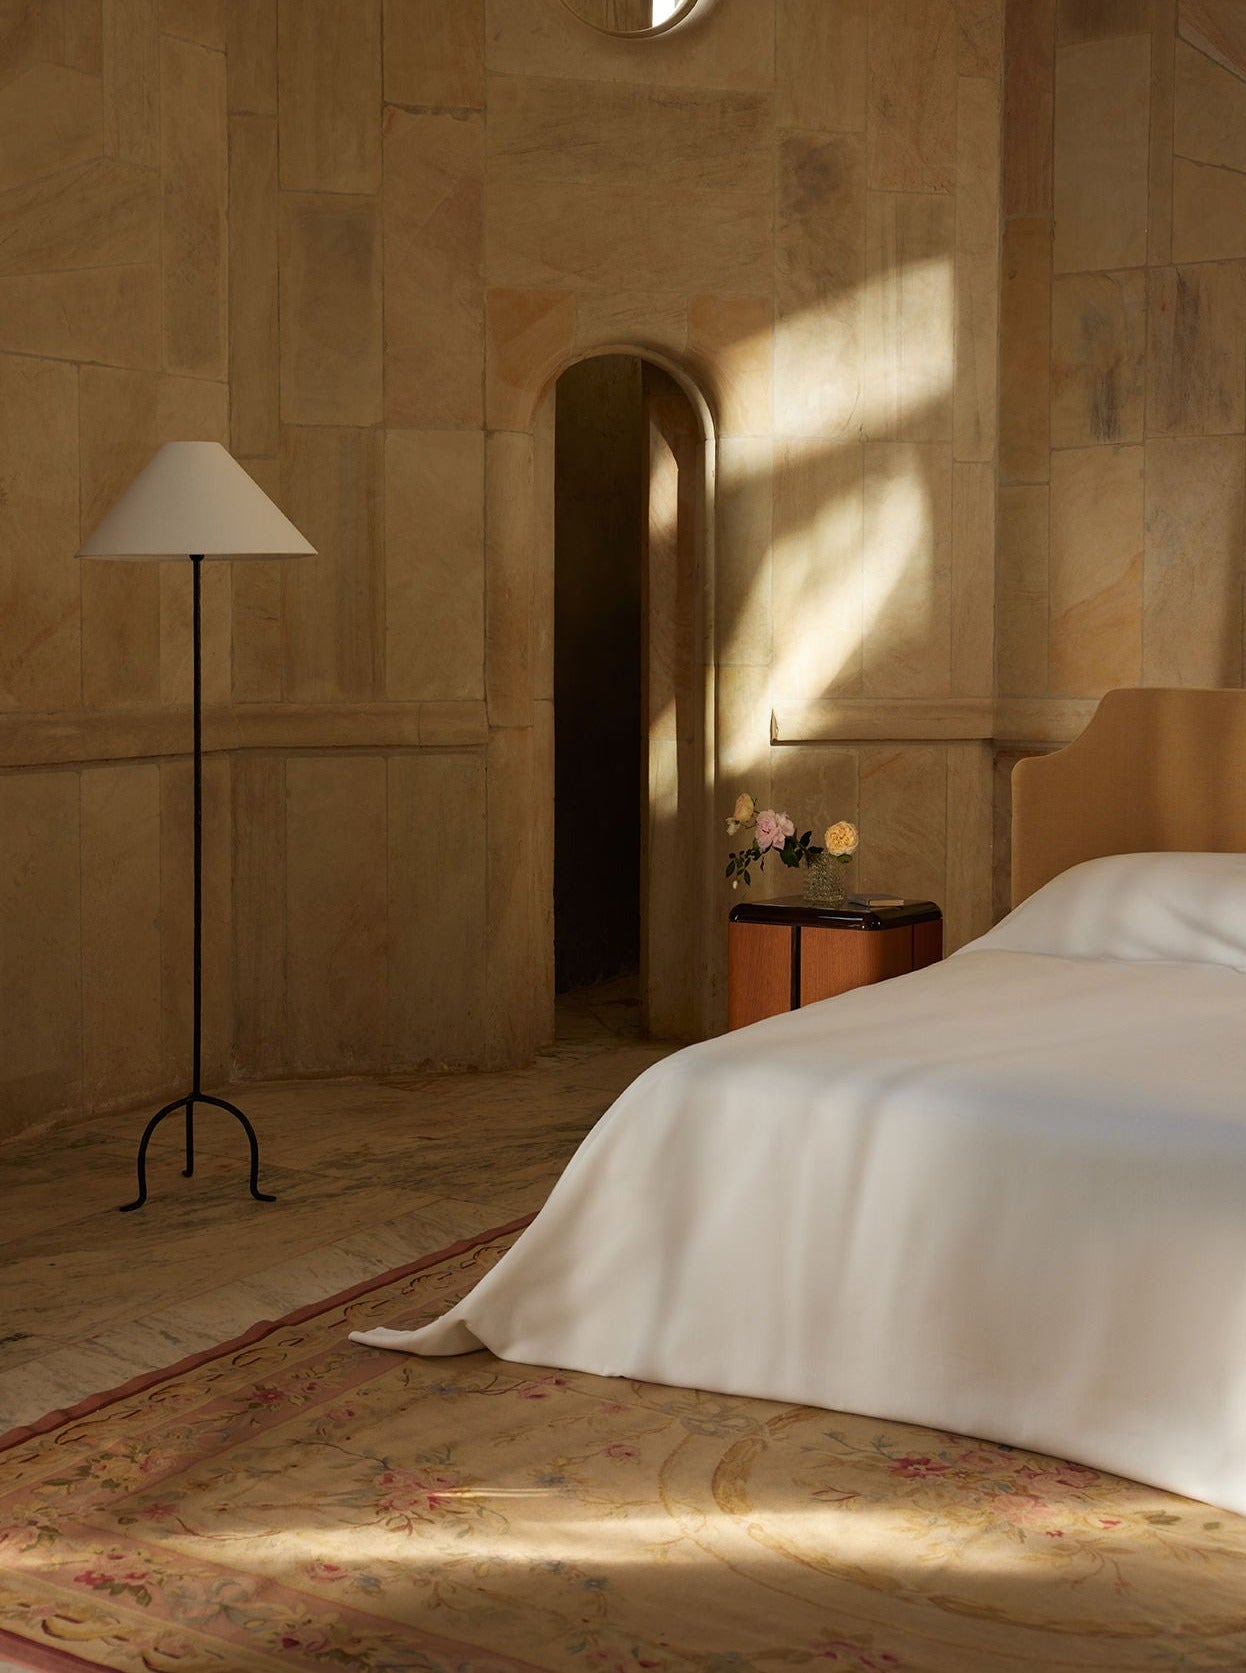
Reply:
x=841 y=840
x=745 y=808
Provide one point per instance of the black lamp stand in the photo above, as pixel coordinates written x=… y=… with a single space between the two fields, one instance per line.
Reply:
x=196 y=1095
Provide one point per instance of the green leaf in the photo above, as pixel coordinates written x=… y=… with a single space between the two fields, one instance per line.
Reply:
x=804 y=841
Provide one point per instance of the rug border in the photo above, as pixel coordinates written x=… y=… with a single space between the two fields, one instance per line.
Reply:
x=44 y=1658
x=263 y=1327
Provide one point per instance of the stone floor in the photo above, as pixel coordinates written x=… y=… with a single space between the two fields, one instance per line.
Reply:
x=368 y=1174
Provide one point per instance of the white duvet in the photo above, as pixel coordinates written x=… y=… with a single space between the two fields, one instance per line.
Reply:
x=1004 y=1196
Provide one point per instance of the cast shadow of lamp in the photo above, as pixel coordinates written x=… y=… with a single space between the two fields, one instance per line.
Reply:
x=194 y=501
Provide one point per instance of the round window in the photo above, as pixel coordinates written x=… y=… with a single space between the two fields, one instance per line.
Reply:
x=631 y=17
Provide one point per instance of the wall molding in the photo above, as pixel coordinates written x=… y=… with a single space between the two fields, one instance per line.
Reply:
x=1018 y=721
x=78 y=738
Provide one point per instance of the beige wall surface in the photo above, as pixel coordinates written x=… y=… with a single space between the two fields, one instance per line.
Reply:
x=357 y=240
x=1123 y=394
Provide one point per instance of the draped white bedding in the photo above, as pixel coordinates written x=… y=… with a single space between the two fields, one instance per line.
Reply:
x=1004 y=1196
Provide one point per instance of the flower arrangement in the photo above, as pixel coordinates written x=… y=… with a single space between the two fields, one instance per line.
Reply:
x=774 y=833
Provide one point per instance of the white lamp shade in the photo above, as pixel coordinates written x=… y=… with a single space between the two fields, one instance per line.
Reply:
x=193 y=498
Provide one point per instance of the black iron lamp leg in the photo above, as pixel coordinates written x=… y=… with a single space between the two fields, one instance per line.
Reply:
x=196 y=1095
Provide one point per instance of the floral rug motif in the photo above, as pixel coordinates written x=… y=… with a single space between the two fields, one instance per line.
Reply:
x=292 y=1501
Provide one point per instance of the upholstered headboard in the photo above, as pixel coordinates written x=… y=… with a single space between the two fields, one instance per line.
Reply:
x=1156 y=769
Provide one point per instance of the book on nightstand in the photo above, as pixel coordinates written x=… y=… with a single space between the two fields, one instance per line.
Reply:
x=875 y=900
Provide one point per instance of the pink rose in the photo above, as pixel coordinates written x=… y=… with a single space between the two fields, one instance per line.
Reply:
x=773 y=829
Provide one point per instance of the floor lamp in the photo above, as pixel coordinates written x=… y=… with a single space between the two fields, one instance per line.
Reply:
x=194 y=501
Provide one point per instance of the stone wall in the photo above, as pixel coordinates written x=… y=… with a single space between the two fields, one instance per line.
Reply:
x=1123 y=400
x=358 y=241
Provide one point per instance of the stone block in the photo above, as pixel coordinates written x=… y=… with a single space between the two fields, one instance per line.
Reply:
x=194 y=190
x=437 y=929
x=1022 y=607
x=819 y=622
x=40 y=578
x=530 y=339
x=202 y=21
x=980 y=38
x=1218 y=28
x=1095 y=638
x=819 y=285
x=110 y=315
x=514 y=914
x=258 y=796
x=29 y=34
x=635 y=319
x=332 y=488
x=435 y=54
x=131 y=81
x=434 y=257
x=331 y=332
x=911 y=118
x=1025 y=351
x=910 y=314
x=103 y=214
x=970 y=835
x=1098 y=358
x=258 y=592
x=251 y=50
x=337 y=988
x=744 y=490
x=1102 y=154
x=329 y=66
x=907 y=569
x=83 y=26
x=1029 y=95
x=51 y=119
x=973 y=580
x=975 y=423
x=1196 y=349
x=1209 y=115
x=903 y=823
x=1101 y=20
x=821 y=65
x=510 y=562
x=1192 y=592
x=254 y=349
x=40 y=948
x=434 y=565
x=731 y=341
x=1209 y=212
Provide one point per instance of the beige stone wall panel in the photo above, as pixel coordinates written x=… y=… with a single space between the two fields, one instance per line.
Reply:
x=203 y=21
x=975 y=420
x=1098 y=20
x=1098 y=358
x=1023 y=586
x=515 y=913
x=434 y=262
x=82 y=26
x=511 y=559
x=102 y=214
x=337 y=988
x=911 y=121
x=434 y=564
x=40 y=579
x=903 y=801
x=1029 y=99
x=254 y=346
x=818 y=599
x=1196 y=349
x=1218 y=28
x=534 y=38
x=973 y=580
x=258 y=799
x=251 y=50
x=980 y=38
x=329 y=75
x=437 y=929
x=731 y=346
x=40 y=949
x=331 y=334
x=29 y=34
x=656 y=320
x=907 y=569
x=194 y=189
x=1163 y=92
x=435 y=53
x=332 y=487
x=1096 y=570
x=530 y=338
x=110 y=315
x=122 y=1022
x=1192 y=597
x=966 y=897
x=819 y=285
x=742 y=553
x=51 y=119
x=821 y=64
x=1025 y=351
x=1102 y=154
x=257 y=596
x=910 y=314
x=1209 y=111
x=1209 y=212
x=131 y=81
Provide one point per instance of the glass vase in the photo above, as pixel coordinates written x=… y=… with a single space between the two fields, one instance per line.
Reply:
x=826 y=881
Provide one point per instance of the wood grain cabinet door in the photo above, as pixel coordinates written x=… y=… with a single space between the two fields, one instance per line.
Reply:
x=834 y=960
x=759 y=972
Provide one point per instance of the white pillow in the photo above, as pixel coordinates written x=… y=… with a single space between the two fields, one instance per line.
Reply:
x=1183 y=908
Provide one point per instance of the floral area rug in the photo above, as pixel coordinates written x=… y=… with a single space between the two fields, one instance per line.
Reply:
x=296 y=1502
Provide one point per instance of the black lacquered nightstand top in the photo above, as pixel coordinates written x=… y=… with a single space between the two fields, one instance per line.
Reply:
x=795 y=909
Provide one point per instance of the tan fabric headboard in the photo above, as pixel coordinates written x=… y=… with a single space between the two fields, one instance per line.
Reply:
x=1156 y=769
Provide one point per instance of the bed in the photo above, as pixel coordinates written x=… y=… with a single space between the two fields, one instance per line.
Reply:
x=1003 y=1196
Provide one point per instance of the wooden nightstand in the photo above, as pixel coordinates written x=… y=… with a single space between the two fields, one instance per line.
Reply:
x=785 y=953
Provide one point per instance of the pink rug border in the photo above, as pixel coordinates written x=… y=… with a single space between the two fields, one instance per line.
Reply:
x=264 y=1327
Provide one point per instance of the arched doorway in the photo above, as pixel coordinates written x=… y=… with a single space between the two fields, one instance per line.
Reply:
x=631 y=459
